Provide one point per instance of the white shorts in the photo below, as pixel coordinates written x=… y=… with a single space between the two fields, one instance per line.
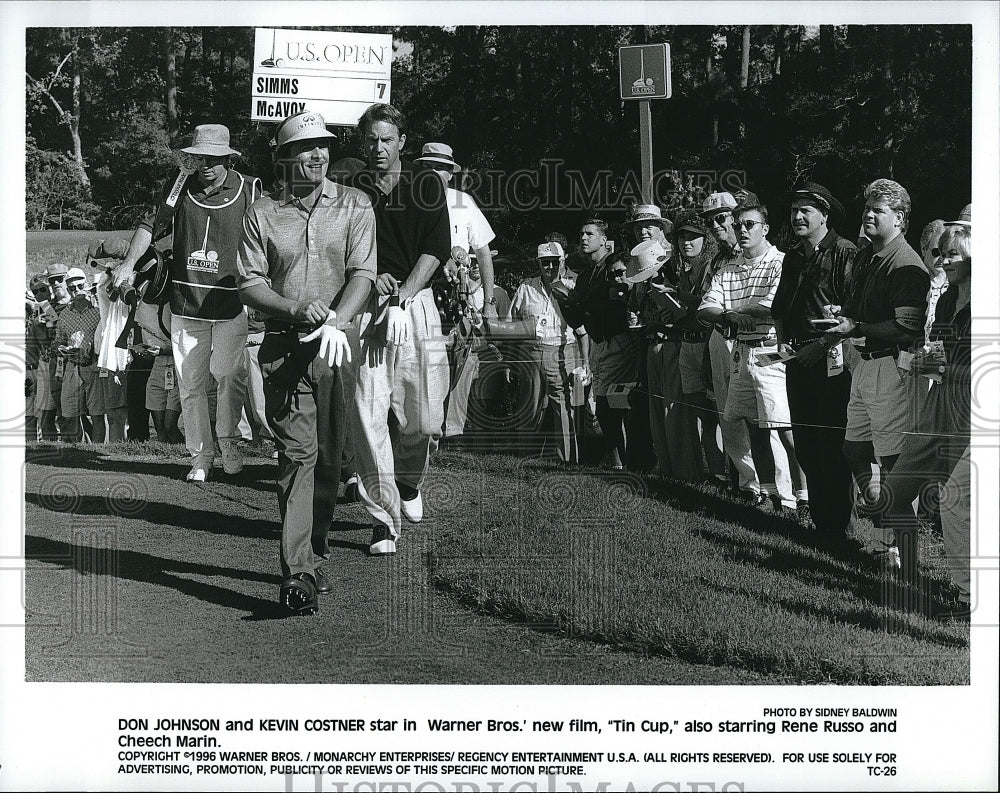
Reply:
x=757 y=393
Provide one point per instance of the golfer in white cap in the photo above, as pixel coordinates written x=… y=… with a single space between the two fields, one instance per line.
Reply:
x=307 y=263
x=204 y=212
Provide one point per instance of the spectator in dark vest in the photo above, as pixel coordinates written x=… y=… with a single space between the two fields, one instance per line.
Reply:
x=204 y=212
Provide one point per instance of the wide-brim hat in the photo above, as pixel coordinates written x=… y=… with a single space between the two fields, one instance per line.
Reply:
x=307 y=125
x=439 y=154
x=647 y=259
x=211 y=140
x=964 y=218
x=645 y=213
x=819 y=196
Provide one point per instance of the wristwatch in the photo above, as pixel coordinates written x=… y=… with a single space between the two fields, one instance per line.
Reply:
x=492 y=301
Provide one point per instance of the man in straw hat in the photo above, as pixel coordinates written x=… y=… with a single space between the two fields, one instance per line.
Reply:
x=813 y=275
x=203 y=208
x=407 y=373
x=307 y=264
x=469 y=228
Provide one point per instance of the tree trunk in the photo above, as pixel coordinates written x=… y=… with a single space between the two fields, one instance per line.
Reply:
x=73 y=122
x=170 y=64
x=745 y=59
x=714 y=106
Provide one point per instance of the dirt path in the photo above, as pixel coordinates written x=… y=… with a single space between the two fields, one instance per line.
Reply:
x=135 y=575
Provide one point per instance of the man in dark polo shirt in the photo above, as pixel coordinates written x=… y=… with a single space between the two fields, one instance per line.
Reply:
x=884 y=312
x=307 y=262
x=404 y=376
x=814 y=275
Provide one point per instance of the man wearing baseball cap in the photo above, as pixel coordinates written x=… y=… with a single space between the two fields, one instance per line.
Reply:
x=412 y=381
x=813 y=276
x=554 y=352
x=203 y=208
x=307 y=263
x=717 y=212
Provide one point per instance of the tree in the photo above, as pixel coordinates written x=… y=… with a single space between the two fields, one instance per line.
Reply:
x=55 y=196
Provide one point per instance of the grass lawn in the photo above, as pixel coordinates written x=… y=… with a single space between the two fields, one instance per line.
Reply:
x=63 y=247
x=522 y=572
x=683 y=572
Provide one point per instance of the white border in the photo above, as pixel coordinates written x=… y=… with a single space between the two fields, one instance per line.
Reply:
x=58 y=735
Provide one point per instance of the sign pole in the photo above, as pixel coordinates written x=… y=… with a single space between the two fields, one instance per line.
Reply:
x=646 y=150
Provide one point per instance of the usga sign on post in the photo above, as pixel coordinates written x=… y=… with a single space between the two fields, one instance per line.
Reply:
x=331 y=72
x=644 y=71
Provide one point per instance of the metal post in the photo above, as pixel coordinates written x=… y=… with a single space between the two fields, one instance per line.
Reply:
x=646 y=150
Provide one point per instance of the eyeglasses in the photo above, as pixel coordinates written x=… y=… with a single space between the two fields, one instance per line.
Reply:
x=76 y=286
x=721 y=219
x=548 y=263
x=748 y=224
x=56 y=279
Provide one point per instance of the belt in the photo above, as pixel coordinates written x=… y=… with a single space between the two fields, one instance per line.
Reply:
x=162 y=354
x=871 y=356
x=661 y=335
x=279 y=326
x=800 y=342
x=766 y=342
x=694 y=335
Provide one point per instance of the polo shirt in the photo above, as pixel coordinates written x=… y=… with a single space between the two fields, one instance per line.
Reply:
x=745 y=282
x=411 y=220
x=889 y=285
x=812 y=277
x=470 y=230
x=304 y=253
x=954 y=330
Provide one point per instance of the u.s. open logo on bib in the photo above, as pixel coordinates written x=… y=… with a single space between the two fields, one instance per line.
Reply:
x=204 y=262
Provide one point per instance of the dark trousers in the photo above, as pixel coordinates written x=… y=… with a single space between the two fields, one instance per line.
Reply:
x=136 y=377
x=818 y=407
x=304 y=401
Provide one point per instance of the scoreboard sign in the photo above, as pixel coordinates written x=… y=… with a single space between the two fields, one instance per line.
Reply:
x=334 y=73
x=644 y=71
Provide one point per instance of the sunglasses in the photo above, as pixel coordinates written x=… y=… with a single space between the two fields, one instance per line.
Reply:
x=548 y=263
x=748 y=224
x=935 y=252
x=76 y=286
x=56 y=279
x=721 y=219
x=618 y=273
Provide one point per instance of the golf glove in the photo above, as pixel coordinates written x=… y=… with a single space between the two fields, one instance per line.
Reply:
x=397 y=331
x=333 y=345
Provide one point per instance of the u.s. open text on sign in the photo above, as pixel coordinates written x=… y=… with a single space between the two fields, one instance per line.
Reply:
x=336 y=73
x=644 y=71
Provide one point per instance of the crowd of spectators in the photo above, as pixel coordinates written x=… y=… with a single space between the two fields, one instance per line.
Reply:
x=827 y=380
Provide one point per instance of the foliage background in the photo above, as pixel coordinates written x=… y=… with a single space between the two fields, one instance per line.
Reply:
x=838 y=104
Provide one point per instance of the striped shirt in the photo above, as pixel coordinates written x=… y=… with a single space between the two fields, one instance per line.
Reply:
x=747 y=282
